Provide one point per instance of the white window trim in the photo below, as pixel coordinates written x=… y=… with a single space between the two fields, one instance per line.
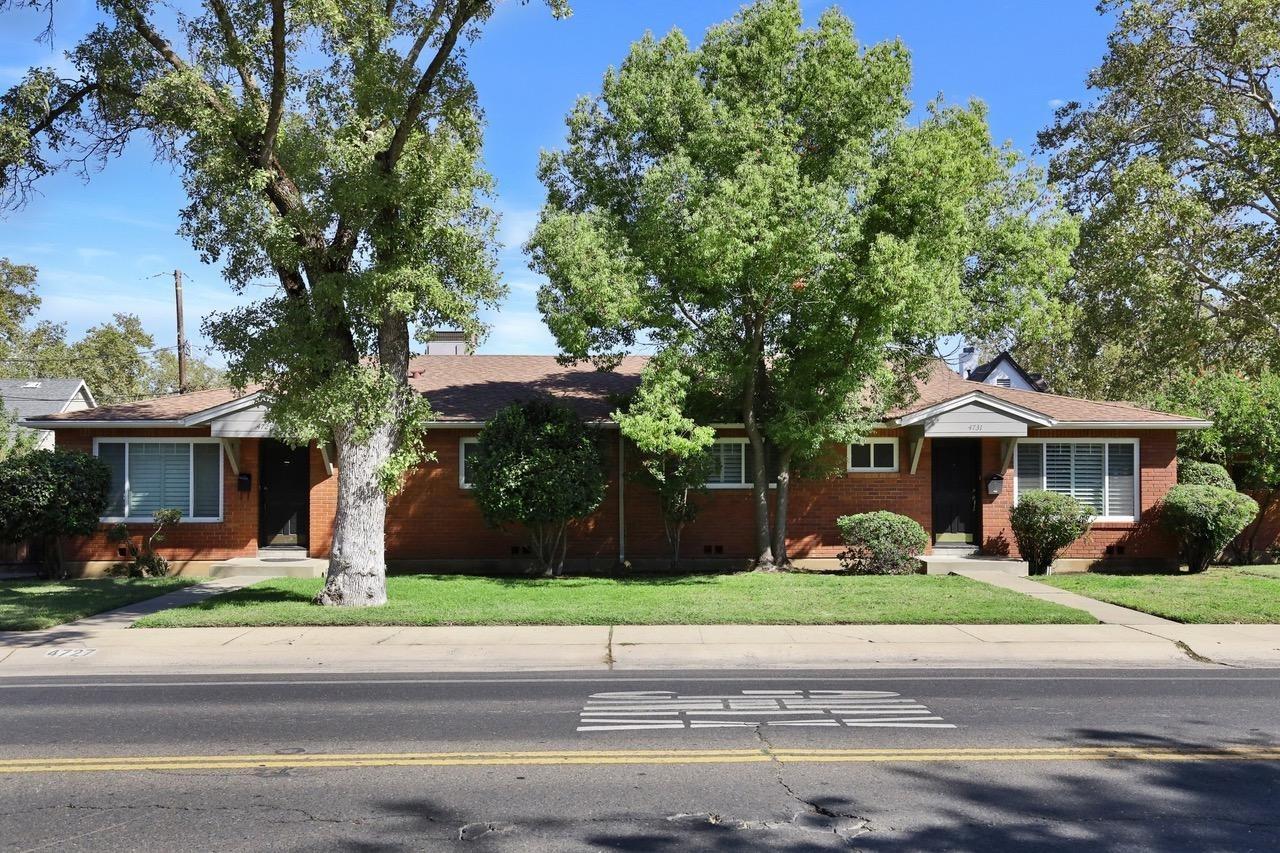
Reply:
x=462 y=443
x=874 y=440
x=222 y=484
x=746 y=484
x=1106 y=479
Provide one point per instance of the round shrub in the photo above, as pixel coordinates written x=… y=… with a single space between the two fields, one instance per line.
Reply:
x=539 y=466
x=1204 y=519
x=48 y=494
x=1044 y=523
x=881 y=543
x=1193 y=472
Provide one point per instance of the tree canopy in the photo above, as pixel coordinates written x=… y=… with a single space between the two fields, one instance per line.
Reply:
x=332 y=150
x=118 y=360
x=1177 y=166
x=762 y=205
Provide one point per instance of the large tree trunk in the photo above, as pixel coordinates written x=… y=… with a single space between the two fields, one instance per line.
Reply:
x=357 y=574
x=760 y=484
x=780 y=556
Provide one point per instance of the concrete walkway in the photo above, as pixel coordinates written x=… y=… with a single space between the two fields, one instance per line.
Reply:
x=124 y=617
x=1108 y=614
x=89 y=651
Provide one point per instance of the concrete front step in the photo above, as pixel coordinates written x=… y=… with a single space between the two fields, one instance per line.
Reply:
x=945 y=564
x=306 y=567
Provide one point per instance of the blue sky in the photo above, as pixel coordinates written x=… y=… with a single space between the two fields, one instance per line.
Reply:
x=101 y=245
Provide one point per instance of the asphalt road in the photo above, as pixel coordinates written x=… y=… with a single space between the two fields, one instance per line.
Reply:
x=876 y=760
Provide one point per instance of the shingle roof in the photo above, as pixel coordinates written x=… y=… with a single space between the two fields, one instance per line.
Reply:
x=31 y=398
x=460 y=388
x=945 y=384
x=472 y=388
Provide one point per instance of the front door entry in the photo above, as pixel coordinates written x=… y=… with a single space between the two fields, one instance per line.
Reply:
x=284 y=482
x=957 y=472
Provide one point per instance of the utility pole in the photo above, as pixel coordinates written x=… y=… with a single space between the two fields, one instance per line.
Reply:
x=182 y=334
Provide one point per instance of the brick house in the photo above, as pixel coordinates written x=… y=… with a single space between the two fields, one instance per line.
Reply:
x=955 y=460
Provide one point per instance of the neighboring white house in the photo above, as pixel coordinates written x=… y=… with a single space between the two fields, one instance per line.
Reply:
x=33 y=398
x=1002 y=371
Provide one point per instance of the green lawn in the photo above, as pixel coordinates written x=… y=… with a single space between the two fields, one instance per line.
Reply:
x=759 y=599
x=32 y=605
x=1219 y=596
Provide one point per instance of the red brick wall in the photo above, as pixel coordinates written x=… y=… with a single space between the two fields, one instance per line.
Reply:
x=235 y=536
x=1158 y=471
x=434 y=518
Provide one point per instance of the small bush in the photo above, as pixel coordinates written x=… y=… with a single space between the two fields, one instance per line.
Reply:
x=1204 y=519
x=881 y=543
x=144 y=562
x=1044 y=523
x=1193 y=472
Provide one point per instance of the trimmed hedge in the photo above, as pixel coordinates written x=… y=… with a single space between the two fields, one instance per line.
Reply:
x=1044 y=523
x=1193 y=472
x=881 y=543
x=1204 y=519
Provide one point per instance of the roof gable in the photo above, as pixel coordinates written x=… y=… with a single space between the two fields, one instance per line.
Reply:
x=31 y=398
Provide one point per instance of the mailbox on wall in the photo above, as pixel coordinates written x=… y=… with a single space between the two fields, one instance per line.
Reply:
x=995 y=484
x=244 y=482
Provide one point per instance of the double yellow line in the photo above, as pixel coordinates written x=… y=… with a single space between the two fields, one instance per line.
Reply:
x=146 y=763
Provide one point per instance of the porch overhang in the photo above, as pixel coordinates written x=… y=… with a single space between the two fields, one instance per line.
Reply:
x=974 y=415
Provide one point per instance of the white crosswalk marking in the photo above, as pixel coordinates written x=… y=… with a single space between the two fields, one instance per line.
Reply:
x=665 y=709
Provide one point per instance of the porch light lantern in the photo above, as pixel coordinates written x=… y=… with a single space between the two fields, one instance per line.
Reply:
x=995 y=484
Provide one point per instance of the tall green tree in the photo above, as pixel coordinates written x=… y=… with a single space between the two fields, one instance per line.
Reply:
x=330 y=148
x=162 y=377
x=672 y=445
x=762 y=206
x=1244 y=438
x=1177 y=165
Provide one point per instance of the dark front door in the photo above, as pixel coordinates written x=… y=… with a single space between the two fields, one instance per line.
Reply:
x=956 y=475
x=284 y=482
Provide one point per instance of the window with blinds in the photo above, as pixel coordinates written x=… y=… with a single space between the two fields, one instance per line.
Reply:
x=1102 y=475
x=151 y=475
x=730 y=463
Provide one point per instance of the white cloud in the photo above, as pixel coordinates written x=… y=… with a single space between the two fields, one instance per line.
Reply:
x=524 y=286
x=516 y=227
x=518 y=333
x=89 y=254
x=1056 y=102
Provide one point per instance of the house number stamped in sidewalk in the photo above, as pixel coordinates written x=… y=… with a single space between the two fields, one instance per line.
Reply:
x=665 y=709
x=69 y=653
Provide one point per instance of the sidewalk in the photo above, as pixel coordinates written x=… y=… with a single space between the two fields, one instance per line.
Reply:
x=96 y=650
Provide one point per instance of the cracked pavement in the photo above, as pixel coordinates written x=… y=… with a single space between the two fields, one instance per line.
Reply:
x=771 y=804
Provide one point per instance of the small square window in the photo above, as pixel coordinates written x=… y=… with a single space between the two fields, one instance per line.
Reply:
x=860 y=456
x=875 y=454
x=883 y=453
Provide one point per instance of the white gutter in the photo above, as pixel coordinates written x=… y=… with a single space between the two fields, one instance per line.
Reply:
x=1187 y=424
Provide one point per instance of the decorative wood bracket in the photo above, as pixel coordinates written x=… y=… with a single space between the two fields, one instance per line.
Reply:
x=327 y=454
x=231 y=448
x=916 y=436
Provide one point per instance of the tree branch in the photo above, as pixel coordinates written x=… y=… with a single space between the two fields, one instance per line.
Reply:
x=461 y=16
x=278 y=84
x=235 y=49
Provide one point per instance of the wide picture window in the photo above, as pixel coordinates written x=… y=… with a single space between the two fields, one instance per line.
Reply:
x=1101 y=475
x=147 y=476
